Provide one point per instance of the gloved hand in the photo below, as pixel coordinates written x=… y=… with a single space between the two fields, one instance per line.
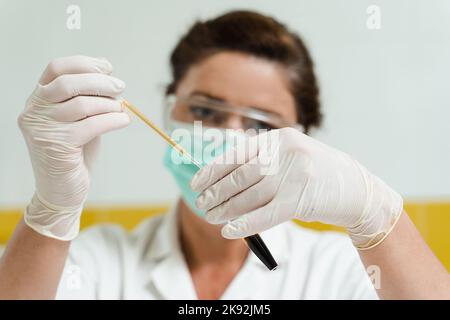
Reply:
x=307 y=180
x=73 y=104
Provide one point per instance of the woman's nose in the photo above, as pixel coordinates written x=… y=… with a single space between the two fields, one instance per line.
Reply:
x=234 y=122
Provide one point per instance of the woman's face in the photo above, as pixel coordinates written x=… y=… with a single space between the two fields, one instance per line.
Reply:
x=240 y=80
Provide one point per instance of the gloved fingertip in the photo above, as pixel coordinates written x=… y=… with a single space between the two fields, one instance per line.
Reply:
x=210 y=218
x=200 y=201
x=126 y=119
x=229 y=231
x=104 y=65
x=126 y=111
x=215 y=216
x=120 y=85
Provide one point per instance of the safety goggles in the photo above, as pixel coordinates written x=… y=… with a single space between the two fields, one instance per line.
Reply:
x=218 y=114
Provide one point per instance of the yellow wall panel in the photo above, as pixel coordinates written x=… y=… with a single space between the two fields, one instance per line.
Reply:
x=431 y=218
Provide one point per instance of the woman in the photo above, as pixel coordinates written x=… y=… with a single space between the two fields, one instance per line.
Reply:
x=241 y=70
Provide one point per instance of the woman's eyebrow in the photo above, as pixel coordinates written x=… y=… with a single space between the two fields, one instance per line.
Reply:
x=207 y=95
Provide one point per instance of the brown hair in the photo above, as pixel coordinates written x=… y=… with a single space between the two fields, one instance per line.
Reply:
x=258 y=35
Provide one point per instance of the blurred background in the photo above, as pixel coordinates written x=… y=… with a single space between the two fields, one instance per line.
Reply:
x=384 y=93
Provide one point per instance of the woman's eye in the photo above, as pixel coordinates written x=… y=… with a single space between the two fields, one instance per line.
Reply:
x=210 y=117
x=258 y=125
x=199 y=112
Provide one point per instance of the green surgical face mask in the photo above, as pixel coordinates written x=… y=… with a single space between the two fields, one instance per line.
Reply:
x=203 y=149
x=183 y=174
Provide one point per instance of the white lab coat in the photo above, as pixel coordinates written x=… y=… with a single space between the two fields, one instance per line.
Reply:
x=107 y=262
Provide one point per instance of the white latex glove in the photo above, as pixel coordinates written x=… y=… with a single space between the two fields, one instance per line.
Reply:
x=73 y=104
x=309 y=181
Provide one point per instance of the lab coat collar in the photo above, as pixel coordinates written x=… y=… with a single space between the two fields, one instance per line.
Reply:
x=170 y=274
x=166 y=237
